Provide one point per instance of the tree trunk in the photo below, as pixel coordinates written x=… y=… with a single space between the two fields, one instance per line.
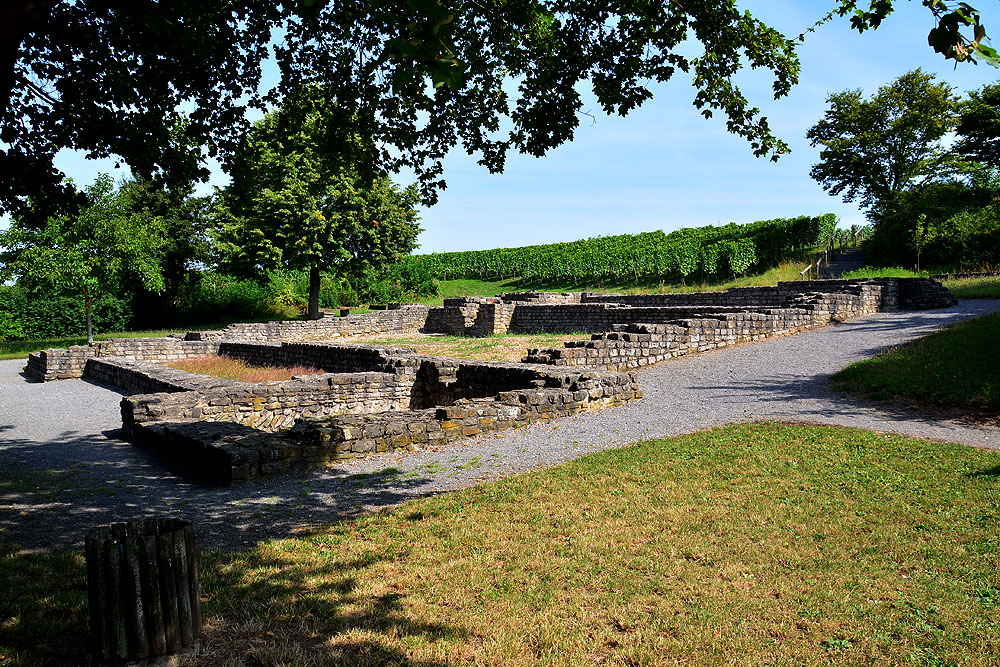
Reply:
x=87 y=302
x=314 y=292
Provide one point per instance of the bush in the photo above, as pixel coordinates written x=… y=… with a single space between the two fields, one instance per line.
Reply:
x=211 y=296
x=26 y=315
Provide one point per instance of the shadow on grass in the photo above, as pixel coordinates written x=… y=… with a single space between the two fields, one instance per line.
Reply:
x=988 y=472
x=293 y=615
x=309 y=613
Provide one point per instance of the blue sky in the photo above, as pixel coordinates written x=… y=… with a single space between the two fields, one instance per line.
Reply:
x=666 y=167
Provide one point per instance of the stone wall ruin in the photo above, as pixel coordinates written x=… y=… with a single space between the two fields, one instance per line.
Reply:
x=373 y=399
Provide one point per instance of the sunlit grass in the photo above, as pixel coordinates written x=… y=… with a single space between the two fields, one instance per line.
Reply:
x=511 y=347
x=974 y=288
x=750 y=545
x=955 y=367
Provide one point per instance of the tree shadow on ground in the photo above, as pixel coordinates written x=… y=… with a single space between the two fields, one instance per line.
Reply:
x=53 y=492
x=789 y=396
x=296 y=614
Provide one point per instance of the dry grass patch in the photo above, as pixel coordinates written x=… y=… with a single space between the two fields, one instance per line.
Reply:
x=228 y=368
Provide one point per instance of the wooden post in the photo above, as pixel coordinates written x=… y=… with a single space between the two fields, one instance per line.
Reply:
x=142 y=588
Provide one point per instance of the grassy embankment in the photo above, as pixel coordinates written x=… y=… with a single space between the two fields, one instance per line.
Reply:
x=957 y=367
x=751 y=544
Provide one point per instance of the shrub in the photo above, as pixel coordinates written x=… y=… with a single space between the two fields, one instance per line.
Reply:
x=26 y=315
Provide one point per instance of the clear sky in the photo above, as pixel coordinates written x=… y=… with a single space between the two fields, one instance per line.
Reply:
x=666 y=167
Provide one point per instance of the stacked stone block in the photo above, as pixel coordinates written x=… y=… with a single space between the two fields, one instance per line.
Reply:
x=232 y=453
x=407 y=318
x=63 y=364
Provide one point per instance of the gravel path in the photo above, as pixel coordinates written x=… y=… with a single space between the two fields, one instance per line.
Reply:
x=64 y=468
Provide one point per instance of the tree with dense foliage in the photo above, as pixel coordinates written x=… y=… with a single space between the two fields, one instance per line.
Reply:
x=417 y=76
x=90 y=254
x=949 y=223
x=185 y=221
x=978 y=127
x=873 y=149
x=302 y=197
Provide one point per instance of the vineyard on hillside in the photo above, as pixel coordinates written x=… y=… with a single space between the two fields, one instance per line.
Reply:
x=708 y=253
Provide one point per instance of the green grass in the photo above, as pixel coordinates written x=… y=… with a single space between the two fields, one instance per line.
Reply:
x=974 y=288
x=508 y=347
x=955 y=367
x=881 y=272
x=752 y=544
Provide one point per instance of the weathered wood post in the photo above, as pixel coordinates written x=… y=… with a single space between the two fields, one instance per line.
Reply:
x=142 y=588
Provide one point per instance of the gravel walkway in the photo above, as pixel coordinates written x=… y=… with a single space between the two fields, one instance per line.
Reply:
x=64 y=469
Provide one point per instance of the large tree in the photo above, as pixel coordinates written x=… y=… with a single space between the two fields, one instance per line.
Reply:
x=421 y=76
x=873 y=149
x=302 y=197
x=107 y=246
x=979 y=126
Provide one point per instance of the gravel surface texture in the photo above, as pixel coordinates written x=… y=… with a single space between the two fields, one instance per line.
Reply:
x=64 y=468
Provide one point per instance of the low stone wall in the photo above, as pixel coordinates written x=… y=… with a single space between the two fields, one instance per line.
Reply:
x=62 y=364
x=405 y=319
x=596 y=317
x=232 y=453
x=525 y=312
x=642 y=344
x=338 y=358
x=273 y=406
x=533 y=312
x=131 y=376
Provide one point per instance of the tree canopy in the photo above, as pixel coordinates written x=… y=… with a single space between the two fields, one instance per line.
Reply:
x=302 y=196
x=874 y=148
x=89 y=254
x=979 y=126
x=416 y=76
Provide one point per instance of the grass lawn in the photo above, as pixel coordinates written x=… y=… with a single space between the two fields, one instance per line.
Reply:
x=955 y=367
x=751 y=544
x=974 y=288
x=511 y=347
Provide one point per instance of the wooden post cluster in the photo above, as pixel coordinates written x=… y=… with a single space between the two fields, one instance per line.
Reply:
x=142 y=585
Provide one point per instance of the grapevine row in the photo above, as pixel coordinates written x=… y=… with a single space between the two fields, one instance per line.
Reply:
x=706 y=252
